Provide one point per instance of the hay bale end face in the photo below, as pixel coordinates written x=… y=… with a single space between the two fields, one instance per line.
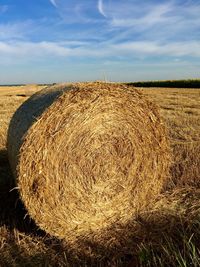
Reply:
x=87 y=156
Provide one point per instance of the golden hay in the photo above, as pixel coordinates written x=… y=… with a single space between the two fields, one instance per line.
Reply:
x=87 y=157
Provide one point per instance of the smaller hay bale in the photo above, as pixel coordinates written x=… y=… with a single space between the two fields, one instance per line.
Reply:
x=87 y=157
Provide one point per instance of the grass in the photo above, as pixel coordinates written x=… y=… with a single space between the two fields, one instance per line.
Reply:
x=178 y=246
x=167 y=234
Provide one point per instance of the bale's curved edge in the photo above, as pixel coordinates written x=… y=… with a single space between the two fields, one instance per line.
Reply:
x=87 y=157
x=24 y=117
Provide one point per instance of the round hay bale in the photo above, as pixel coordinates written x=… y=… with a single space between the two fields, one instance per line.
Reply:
x=87 y=156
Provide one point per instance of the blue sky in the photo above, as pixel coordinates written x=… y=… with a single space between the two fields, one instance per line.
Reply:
x=45 y=41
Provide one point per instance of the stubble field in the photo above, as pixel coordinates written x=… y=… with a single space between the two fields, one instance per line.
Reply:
x=167 y=234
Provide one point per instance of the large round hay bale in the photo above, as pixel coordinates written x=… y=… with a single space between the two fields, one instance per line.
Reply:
x=87 y=157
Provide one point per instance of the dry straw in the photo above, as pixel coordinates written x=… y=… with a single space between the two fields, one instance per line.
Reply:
x=87 y=157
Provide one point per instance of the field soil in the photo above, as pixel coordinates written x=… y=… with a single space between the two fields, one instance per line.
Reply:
x=167 y=234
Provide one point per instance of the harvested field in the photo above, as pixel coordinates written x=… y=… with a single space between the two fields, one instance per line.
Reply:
x=167 y=234
x=180 y=109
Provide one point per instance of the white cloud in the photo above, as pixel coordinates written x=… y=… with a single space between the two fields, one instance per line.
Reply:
x=124 y=32
x=147 y=16
x=53 y=2
x=137 y=49
x=31 y=49
x=174 y=49
x=101 y=8
x=17 y=30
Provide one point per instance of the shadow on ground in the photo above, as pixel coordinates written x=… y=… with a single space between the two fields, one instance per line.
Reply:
x=170 y=225
x=12 y=212
x=166 y=235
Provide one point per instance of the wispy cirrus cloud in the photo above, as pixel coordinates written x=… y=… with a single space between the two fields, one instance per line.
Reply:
x=166 y=23
x=132 y=19
x=135 y=23
x=53 y=2
x=152 y=16
x=76 y=11
x=101 y=8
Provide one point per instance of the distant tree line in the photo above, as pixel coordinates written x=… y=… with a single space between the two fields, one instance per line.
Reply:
x=191 y=83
